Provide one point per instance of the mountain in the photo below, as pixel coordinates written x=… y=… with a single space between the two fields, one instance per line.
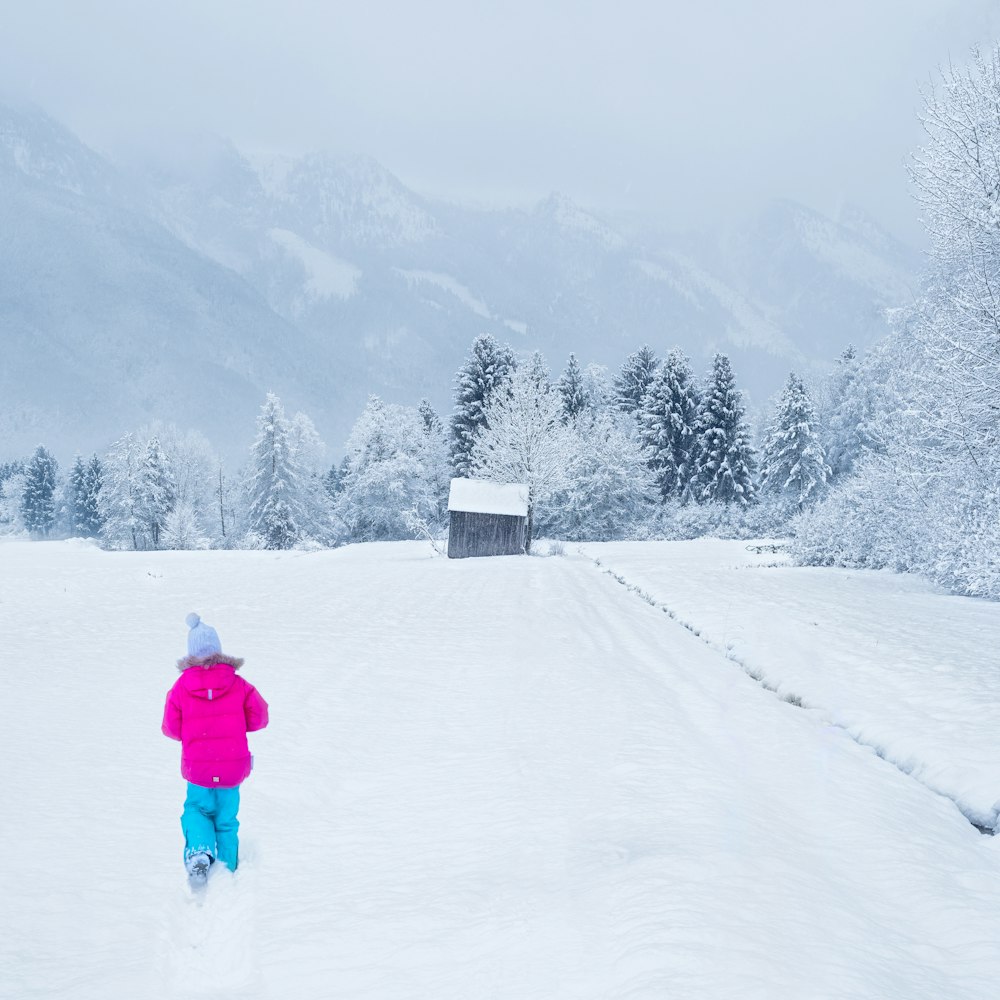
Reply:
x=185 y=288
x=108 y=320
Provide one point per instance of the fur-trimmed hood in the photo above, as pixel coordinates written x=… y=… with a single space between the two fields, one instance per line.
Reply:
x=210 y=661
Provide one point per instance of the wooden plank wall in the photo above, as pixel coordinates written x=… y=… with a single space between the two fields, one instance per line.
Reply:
x=485 y=535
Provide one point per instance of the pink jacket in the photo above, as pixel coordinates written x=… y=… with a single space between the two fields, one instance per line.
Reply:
x=211 y=710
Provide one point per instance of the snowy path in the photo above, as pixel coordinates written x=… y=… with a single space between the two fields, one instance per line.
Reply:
x=492 y=778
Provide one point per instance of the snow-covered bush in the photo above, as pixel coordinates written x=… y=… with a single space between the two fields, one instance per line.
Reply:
x=681 y=521
x=11 y=493
x=611 y=492
x=396 y=477
x=182 y=529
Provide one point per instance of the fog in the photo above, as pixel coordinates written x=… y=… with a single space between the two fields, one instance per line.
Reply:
x=691 y=111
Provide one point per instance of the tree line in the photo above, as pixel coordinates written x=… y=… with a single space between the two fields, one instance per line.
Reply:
x=650 y=451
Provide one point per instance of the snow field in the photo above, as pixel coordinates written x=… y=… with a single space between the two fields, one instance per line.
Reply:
x=488 y=778
x=904 y=667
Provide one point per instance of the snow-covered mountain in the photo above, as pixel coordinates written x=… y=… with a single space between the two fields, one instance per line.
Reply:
x=185 y=290
x=108 y=320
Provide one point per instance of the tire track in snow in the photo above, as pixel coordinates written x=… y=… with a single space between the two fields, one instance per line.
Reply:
x=792 y=699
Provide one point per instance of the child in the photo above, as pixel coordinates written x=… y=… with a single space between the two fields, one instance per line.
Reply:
x=211 y=710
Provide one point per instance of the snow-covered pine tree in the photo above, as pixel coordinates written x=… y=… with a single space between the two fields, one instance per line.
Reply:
x=273 y=481
x=597 y=388
x=333 y=481
x=571 y=389
x=308 y=455
x=90 y=522
x=526 y=441
x=157 y=492
x=92 y=496
x=8 y=469
x=436 y=462
x=76 y=489
x=668 y=421
x=118 y=503
x=634 y=379
x=38 y=507
x=432 y=422
x=725 y=458
x=847 y=432
x=538 y=371
x=792 y=464
x=488 y=368
x=82 y=519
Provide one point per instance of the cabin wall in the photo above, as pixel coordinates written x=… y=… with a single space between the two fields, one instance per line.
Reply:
x=485 y=535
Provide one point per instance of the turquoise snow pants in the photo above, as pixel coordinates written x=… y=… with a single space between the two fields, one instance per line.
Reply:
x=209 y=823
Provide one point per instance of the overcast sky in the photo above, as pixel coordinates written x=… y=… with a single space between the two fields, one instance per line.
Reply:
x=695 y=109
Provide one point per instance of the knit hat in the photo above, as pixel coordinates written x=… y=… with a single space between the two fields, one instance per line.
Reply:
x=203 y=640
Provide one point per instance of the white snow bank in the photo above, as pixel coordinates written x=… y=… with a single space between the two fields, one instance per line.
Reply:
x=477 y=496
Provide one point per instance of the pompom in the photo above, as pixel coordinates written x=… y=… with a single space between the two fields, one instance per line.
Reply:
x=193 y=619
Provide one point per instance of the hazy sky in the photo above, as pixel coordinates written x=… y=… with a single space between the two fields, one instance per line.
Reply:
x=694 y=109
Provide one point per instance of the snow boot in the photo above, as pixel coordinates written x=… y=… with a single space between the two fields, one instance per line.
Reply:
x=197 y=866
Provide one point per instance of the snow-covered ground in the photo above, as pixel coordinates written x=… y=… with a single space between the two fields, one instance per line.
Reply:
x=906 y=669
x=508 y=778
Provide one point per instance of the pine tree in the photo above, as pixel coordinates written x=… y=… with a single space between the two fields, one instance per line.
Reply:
x=488 y=368
x=432 y=422
x=91 y=521
x=118 y=501
x=538 y=371
x=332 y=481
x=75 y=497
x=38 y=509
x=273 y=481
x=157 y=492
x=83 y=517
x=598 y=389
x=8 y=469
x=436 y=463
x=725 y=461
x=668 y=426
x=307 y=453
x=634 y=379
x=792 y=464
x=571 y=389
x=848 y=433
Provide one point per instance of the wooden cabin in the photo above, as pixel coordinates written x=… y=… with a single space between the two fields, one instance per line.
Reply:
x=487 y=519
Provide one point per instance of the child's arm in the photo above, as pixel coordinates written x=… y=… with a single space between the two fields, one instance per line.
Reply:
x=254 y=709
x=171 y=717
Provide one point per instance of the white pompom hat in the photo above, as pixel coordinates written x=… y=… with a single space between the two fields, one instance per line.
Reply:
x=203 y=640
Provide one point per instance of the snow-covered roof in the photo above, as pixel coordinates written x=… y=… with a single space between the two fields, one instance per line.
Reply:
x=477 y=496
